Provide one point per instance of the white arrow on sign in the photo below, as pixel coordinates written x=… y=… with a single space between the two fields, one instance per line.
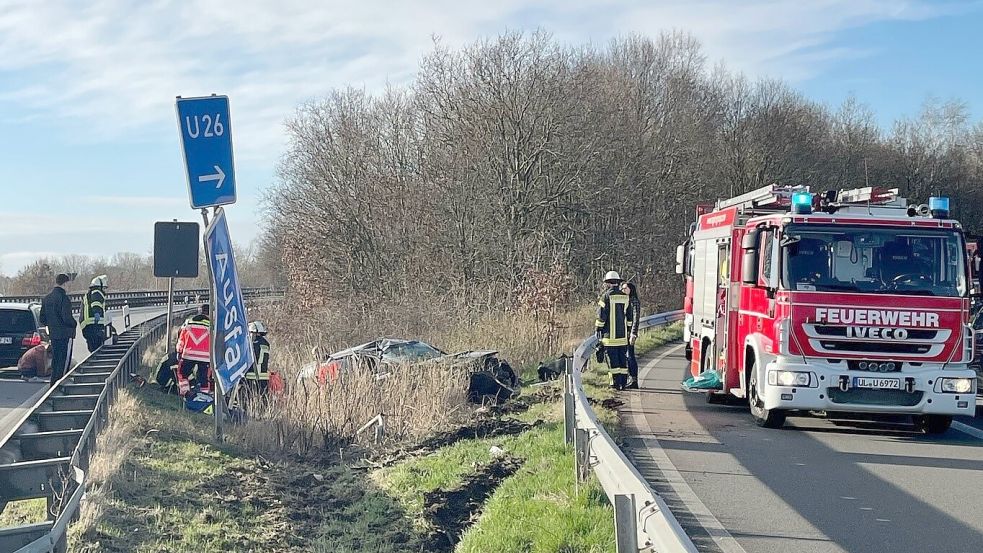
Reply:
x=218 y=176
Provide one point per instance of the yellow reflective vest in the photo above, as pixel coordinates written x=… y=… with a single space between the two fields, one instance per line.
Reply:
x=614 y=319
x=93 y=303
x=261 y=350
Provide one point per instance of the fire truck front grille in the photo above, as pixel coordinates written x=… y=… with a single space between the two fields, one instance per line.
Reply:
x=862 y=396
x=840 y=332
x=876 y=347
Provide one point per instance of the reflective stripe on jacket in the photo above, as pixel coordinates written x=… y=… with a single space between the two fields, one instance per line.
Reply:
x=193 y=343
x=261 y=351
x=613 y=317
x=94 y=303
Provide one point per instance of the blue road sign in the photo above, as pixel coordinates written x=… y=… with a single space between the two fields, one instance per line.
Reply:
x=231 y=347
x=206 y=137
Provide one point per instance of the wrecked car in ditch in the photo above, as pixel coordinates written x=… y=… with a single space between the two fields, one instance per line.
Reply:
x=491 y=378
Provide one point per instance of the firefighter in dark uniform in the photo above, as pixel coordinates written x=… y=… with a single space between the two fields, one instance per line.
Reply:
x=93 y=316
x=635 y=315
x=613 y=326
x=258 y=377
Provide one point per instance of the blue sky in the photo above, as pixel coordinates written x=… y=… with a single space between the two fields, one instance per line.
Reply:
x=89 y=151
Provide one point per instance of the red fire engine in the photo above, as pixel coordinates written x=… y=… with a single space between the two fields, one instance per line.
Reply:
x=851 y=302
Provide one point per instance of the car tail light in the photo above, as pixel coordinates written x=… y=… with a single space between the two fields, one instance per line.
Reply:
x=31 y=340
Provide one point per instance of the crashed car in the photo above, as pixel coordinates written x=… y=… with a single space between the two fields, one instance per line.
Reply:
x=490 y=376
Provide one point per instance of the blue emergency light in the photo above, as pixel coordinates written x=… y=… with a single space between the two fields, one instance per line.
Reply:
x=801 y=203
x=939 y=207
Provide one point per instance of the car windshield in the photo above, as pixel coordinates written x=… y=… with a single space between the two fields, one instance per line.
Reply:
x=16 y=321
x=409 y=352
x=874 y=260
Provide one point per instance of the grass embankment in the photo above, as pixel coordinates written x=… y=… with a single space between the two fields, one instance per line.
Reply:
x=503 y=483
x=162 y=486
x=540 y=508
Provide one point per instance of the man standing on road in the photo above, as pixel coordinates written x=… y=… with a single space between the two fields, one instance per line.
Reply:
x=56 y=314
x=94 y=314
x=613 y=326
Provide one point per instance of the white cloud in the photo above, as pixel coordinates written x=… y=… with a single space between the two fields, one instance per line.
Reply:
x=12 y=262
x=136 y=201
x=113 y=67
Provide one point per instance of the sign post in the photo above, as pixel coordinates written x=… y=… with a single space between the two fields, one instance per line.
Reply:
x=206 y=139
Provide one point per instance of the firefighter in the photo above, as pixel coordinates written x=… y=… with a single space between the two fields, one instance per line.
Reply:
x=194 y=353
x=613 y=326
x=634 y=315
x=94 y=314
x=258 y=377
x=165 y=373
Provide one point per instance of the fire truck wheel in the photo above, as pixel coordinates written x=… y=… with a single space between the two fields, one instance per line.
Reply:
x=767 y=418
x=933 y=424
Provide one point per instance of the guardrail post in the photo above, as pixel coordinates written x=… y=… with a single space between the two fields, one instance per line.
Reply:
x=581 y=462
x=625 y=524
x=569 y=414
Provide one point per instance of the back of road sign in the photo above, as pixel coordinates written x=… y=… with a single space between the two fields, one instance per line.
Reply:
x=176 y=249
x=206 y=137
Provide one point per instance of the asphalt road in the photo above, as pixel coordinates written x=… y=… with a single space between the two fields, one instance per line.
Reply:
x=812 y=487
x=16 y=397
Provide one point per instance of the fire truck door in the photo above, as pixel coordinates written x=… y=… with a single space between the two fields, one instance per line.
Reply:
x=722 y=297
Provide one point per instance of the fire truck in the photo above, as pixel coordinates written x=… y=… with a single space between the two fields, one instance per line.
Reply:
x=848 y=301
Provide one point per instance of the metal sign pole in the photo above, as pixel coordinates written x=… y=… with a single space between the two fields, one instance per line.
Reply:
x=170 y=314
x=219 y=394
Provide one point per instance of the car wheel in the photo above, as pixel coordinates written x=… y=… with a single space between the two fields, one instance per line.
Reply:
x=766 y=418
x=933 y=424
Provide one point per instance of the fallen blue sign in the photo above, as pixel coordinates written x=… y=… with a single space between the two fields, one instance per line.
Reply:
x=231 y=347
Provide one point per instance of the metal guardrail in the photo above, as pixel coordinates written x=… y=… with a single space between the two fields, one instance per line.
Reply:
x=147 y=298
x=54 y=442
x=641 y=516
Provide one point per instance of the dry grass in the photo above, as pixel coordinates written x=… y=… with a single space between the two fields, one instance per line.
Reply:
x=413 y=402
x=114 y=444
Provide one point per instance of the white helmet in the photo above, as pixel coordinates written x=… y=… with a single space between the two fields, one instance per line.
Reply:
x=257 y=327
x=612 y=276
x=100 y=281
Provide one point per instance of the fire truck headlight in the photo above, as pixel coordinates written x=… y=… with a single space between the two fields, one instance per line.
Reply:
x=957 y=385
x=788 y=378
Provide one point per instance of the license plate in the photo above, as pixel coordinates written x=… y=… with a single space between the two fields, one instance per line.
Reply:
x=878 y=383
x=6 y=340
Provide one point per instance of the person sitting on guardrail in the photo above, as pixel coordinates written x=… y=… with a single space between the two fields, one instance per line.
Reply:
x=635 y=314
x=194 y=352
x=613 y=326
x=35 y=363
x=94 y=314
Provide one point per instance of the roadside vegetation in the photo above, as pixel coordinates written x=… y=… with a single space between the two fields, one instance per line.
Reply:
x=496 y=478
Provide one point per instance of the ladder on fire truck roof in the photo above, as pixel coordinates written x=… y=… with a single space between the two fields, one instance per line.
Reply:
x=772 y=196
x=776 y=196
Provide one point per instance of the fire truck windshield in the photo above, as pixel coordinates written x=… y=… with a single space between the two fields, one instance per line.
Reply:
x=873 y=260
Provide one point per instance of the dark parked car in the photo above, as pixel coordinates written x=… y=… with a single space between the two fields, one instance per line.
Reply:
x=19 y=331
x=490 y=375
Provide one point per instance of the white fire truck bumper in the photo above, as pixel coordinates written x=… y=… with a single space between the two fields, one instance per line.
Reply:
x=831 y=387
